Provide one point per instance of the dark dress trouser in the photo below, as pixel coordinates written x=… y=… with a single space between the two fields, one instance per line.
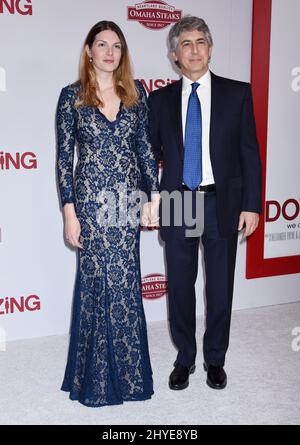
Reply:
x=182 y=266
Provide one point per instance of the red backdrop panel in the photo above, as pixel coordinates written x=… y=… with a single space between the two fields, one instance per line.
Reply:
x=256 y=265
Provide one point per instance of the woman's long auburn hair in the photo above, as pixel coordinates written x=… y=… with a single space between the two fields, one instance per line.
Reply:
x=123 y=80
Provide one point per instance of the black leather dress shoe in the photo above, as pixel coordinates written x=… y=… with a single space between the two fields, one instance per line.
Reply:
x=216 y=376
x=179 y=377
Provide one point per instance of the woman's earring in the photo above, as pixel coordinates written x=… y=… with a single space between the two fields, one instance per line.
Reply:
x=91 y=59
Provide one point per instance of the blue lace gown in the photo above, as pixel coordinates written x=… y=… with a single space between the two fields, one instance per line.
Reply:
x=108 y=360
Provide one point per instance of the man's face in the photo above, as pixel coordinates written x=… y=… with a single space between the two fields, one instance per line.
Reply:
x=193 y=53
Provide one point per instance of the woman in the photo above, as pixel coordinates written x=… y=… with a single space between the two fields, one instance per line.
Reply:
x=105 y=112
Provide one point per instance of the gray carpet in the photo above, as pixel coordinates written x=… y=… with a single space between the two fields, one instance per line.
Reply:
x=263 y=379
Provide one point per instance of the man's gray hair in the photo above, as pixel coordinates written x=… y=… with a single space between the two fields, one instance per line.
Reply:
x=188 y=23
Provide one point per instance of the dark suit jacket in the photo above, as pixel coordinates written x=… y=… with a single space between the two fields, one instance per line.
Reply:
x=234 y=151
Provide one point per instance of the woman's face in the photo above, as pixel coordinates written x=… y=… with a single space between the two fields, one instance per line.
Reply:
x=106 y=51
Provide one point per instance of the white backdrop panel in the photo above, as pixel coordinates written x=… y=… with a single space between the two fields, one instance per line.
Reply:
x=39 y=54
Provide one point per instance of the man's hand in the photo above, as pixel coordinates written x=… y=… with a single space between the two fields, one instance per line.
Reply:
x=250 y=221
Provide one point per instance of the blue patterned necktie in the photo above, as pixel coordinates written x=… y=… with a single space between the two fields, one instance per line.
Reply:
x=192 y=167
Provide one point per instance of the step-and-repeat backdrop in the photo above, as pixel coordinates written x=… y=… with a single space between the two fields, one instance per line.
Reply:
x=39 y=54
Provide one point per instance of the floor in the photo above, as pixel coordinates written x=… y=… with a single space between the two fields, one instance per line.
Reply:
x=262 y=367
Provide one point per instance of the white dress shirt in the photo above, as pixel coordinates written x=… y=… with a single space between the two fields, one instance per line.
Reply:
x=204 y=94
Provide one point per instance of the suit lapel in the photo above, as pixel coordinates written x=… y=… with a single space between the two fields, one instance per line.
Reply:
x=216 y=95
x=176 y=114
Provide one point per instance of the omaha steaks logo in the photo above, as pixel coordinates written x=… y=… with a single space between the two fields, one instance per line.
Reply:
x=154 y=286
x=154 y=14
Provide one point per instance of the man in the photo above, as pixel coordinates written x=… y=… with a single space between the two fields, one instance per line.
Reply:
x=203 y=126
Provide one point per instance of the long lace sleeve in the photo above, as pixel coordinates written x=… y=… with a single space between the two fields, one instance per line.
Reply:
x=147 y=159
x=65 y=127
